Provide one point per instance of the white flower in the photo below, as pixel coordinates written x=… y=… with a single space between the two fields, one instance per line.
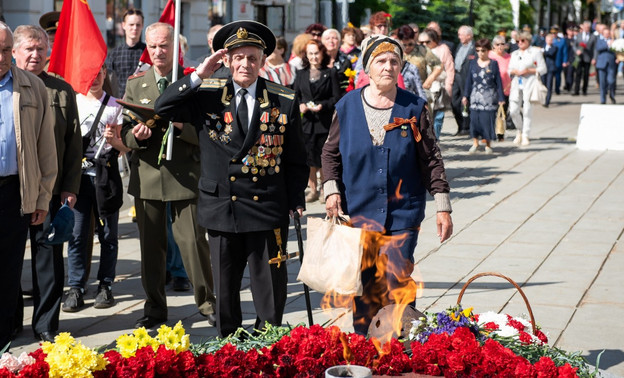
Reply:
x=618 y=45
x=9 y=362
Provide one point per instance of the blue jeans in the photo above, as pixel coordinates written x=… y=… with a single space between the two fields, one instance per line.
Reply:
x=394 y=252
x=438 y=121
x=107 y=234
x=175 y=266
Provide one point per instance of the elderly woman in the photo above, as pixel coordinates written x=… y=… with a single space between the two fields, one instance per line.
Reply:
x=337 y=60
x=500 y=55
x=350 y=42
x=525 y=63
x=378 y=173
x=483 y=85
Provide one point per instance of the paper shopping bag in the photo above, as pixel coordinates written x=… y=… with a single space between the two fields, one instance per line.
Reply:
x=333 y=258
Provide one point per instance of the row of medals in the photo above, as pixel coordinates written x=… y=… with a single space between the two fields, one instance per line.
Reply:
x=264 y=157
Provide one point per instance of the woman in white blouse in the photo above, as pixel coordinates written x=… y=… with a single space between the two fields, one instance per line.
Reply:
x=525 y=63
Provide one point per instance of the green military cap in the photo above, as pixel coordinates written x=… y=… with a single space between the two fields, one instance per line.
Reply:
x=244 y=33
x=49 y=21
x=139 y=114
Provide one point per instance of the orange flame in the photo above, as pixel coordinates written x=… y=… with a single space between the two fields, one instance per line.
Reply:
x=397 y=192
x=396 y=280
x=346 y=349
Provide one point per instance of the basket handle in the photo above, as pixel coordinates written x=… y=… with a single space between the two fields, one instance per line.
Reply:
x=526 y=301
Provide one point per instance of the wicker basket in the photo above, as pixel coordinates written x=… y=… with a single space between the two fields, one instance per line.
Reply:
x=484 y=274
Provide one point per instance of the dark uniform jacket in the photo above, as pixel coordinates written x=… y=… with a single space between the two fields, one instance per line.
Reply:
x=248 y=182
x=66 y=132
x=325 y=91
x=172 y=180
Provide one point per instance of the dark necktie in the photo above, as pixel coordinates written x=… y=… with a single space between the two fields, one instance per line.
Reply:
x=162 y=85
x=242 y=111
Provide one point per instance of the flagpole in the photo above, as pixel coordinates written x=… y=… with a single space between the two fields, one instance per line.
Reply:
x=174 y=77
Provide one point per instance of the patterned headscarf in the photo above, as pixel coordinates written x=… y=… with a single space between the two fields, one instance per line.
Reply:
x=378 y=44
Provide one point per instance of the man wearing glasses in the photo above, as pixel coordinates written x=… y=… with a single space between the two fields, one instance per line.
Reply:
x=124 y=59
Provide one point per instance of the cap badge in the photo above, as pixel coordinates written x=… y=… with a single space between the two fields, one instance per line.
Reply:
x=241 y=33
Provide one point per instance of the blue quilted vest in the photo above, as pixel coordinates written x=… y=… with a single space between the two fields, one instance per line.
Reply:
x=382 y=184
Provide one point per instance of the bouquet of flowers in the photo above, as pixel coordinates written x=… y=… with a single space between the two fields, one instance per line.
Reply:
x=618 y=45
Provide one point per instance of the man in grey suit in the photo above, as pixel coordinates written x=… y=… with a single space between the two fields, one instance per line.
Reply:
x=155 y=181
x=584 y=46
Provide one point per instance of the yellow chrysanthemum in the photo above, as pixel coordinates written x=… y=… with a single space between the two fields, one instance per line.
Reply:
x=64 y=339
x=178 y=329
x=127 y=345
x=467 y=312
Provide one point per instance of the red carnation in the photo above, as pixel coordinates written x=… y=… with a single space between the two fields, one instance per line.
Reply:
x=545 y=367
x=492 y=326
x=566 y=371
x=188 y=70
x=542 y=336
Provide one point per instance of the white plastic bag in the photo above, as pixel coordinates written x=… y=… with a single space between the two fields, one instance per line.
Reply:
x=333 y=258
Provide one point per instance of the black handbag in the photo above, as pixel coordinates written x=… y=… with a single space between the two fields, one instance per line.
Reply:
x=108 y=185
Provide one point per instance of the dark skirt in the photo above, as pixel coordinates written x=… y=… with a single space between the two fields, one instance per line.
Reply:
x=482 y=124
x=314 y=147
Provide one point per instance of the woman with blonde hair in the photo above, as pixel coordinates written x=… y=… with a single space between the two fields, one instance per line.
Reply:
x=525 y=64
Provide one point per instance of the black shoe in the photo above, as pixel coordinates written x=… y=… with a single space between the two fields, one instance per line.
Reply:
x=149 y=322
x=612 y=99
x=211 y=318
x=47 y=336
x=545 y=105
x=584 y=93
x=74 y=301
x=104 y=297
x=168 y=278
x=575 y=94
x=181 y=284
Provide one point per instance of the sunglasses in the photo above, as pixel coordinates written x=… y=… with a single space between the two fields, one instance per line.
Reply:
x=423 y=42
x=409 y=44
x=381 y=26
x=316 y=34
x=523 y=40
x=499 y=44
x=480 y=50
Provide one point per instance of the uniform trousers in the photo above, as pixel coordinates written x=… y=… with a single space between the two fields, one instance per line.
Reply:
x=47 y=275
x=606 y=77
x=231 y=253
x=191 y=239
x=387 y=264
x=519 y=101
x=13 y=233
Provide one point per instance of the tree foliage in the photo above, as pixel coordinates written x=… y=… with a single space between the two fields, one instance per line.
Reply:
x=490 y=16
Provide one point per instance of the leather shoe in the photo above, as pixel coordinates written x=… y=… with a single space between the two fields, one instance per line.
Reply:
x=47 y=336
x=148 y=322
x=181 y=284
x=211 y=318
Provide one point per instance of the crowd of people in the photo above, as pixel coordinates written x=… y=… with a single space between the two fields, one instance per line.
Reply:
x=255 y=124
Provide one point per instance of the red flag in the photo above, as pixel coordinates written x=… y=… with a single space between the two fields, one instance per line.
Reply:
x=79 y=50
x=168 y=17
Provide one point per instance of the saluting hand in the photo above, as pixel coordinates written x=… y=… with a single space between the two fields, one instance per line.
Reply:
x=210 y=64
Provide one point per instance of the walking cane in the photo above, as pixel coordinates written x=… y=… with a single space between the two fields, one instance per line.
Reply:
x=306 y=290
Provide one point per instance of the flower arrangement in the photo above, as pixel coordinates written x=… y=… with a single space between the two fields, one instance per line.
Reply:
x=67 y=357
x=618 y=45
x=454 y=342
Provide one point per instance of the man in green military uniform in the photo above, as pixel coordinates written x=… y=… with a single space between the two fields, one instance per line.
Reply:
x=253 y=163
x=29 y=51
x=154 y=181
